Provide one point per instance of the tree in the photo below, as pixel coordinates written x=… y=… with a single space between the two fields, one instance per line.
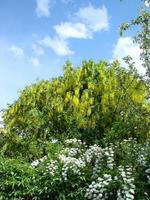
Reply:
x=143 y=36
x=91 y=101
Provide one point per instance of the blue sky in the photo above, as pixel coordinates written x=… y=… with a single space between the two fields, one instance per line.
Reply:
x=38 y=36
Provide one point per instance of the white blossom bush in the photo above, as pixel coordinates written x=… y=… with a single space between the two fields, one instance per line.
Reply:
x=98 y=189
x=118 y=171
x=127 y=180
x=74 y=170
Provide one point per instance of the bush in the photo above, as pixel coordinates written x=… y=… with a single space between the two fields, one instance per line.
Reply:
x=17 y=179
x=89 y=103
x=78 y=171
x=28 y=148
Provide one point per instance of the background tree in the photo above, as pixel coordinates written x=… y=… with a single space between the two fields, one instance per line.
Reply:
x=142 y=38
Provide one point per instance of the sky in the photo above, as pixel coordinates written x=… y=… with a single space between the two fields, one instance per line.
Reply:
x=38 y=36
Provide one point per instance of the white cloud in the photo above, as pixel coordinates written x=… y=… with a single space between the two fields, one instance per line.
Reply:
x=82 y=26
x=72 y=30
x=87 y=21
x=125 y=47
x=35 y=62
x=59 y=46
x=37 y=50
x=147 y=3
x=42 y=8
x=95 y=18
x=16 y=51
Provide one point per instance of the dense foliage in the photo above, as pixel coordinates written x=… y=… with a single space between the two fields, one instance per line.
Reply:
x=90 y=102
x=77 y=171
x=97 y=103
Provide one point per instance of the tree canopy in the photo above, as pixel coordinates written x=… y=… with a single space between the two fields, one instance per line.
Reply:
x=90 y=102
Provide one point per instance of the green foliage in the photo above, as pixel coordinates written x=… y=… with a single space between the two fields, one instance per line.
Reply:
x=2 y=136
x=27 y=148
x=142 y=38
x=78 y=171
x=17 y=179
x=89 y=102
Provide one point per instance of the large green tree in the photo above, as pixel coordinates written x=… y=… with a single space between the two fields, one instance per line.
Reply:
x=93 y=101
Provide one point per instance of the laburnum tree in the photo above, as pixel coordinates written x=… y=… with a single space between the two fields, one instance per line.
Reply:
x=94 y=101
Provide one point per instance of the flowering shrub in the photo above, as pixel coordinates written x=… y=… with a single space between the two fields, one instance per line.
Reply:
x=95 y=100
x=77 y=171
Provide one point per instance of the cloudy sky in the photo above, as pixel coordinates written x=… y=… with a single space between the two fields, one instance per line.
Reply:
x=38 y=36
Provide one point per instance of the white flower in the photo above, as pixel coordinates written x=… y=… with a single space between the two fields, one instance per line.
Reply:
x=35 y=163
x=54 y=141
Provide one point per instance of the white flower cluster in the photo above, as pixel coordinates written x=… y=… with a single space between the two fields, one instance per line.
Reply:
x=98 y=189
x=52 y=167
x=75 y=165
x=35 y=163
x=92 y=152
x=100 y=164
x=109 y=153
x=99 y=156
x=143 y=155
x=142 y=160
x=71 y=164
x=97 y=167
x=74 y=141
x=54 y=140
x=72 y=151
x=127 y=183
